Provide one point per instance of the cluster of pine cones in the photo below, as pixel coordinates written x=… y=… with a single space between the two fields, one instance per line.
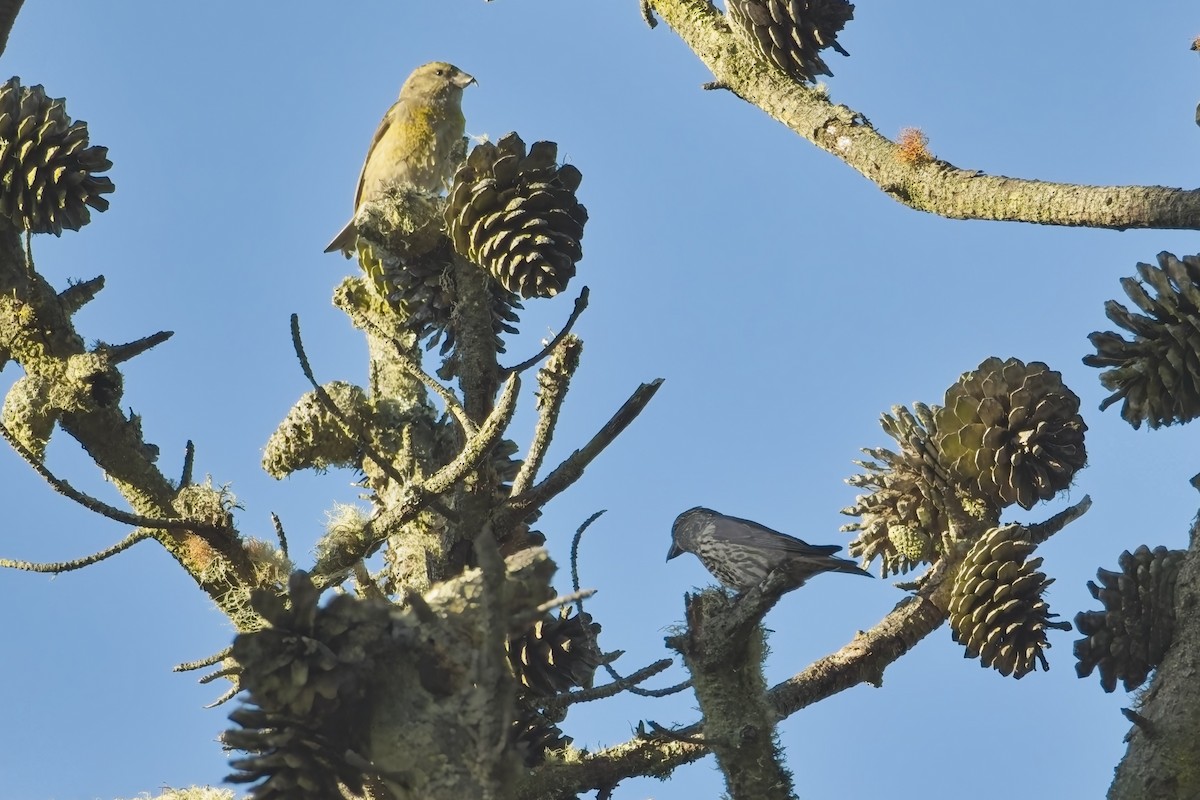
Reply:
x=1008 y=433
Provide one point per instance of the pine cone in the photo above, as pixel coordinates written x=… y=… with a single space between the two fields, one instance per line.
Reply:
x=902 y=517
x=306 y=675
x=533 y=734
x=1132 y=634
x=292 y=761
x=423 y=291
x=557 y=653
x=792 y=33
x=47 y=172
x=1012 y=431
x=515 y=215
x=996 y=604
x=1157 y=374
x=287 y=666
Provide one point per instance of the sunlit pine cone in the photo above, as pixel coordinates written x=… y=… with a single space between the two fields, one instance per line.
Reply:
x=48 y=174
x=1134 y=631
x=792 y=33
x=902 y=518
x=515 y=214
x=555 y=654
x=1012 y=431
x=1157 y=373
x=996 y=606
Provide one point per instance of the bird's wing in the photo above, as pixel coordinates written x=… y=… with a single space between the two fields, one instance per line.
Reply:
x=389 y=117
x=741 y=530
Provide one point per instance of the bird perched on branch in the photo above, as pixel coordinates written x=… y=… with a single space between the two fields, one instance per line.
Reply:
x=418 y=142
x=740 y=553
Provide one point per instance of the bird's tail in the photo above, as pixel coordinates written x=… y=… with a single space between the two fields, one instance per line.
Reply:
x=344 y=241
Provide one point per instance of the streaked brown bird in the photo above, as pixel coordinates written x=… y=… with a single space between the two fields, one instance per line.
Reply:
x=418 y=142
x=741 y=553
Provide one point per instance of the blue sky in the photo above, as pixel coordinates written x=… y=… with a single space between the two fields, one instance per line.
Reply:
x=786 y=301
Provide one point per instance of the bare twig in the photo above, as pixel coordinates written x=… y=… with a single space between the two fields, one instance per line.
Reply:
x=572 y=468
x=207 y=661
x=225 y=698
x=1042 y=531
x=481 y=444
x=77 y=295
x=189 y=461
x=79 y=563
x=453 y=404
x=609 y=689
x=575 y=540
x=574 y=598
x=223 y=672
x=101 y=508
x=118 y=353
x=280 y=534
x=581 y=303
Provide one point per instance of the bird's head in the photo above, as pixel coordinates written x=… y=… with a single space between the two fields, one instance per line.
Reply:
x=683 y=532
x=436 y=79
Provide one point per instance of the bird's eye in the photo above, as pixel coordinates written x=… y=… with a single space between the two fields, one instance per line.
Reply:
x=440 y=72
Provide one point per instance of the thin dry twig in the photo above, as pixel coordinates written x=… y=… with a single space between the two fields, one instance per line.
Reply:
x=571 y=469
x=207 y=661
x=363 y=439
x=57 y=567
x=609 y=689
x=581 y=303
x=453 y=404
x=92 y=504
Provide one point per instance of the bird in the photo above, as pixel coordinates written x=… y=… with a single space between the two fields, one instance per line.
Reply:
x=740 y=553
x=418 y=142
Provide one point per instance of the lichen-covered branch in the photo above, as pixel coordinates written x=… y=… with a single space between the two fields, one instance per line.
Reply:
x=924 y=184
x=553 y=381
x=56 y=567
x=418 y=495
x=723 y=648
x=81 y=390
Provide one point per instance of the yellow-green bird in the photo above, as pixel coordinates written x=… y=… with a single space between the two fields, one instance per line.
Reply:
x=416 y=142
